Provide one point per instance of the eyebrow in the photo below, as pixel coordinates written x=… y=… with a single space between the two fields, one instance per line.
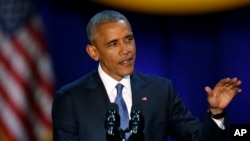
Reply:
x=115 y=40
x=112 y=41
x=130 y=35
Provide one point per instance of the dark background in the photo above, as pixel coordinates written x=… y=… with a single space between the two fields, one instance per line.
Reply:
x=191 y=50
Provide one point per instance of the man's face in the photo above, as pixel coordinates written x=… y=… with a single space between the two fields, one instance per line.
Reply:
x=115 y=49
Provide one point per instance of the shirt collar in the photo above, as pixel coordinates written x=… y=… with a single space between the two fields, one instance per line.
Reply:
x=110 y=82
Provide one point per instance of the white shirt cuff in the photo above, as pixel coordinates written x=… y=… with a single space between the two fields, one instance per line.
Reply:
x=220 y=123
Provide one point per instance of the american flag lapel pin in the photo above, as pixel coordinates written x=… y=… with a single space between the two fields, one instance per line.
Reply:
x=144 y=98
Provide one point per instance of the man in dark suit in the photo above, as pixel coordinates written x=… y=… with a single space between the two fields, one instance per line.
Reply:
x=79 y=109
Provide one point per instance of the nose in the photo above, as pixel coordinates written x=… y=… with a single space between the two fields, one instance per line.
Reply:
x=125 y=48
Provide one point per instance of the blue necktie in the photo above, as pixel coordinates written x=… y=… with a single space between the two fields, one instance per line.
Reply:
x=123 y=111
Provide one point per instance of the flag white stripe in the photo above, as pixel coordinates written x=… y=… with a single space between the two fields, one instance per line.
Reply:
x=12 y=122
x=44 y=101
x=20 y=65
x=19 y=77
x=15 y=59
x=43 y=65
x=33 y=48
x=17 y=95
x=13 y=90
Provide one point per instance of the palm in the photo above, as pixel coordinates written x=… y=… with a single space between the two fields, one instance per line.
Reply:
x=223 y=92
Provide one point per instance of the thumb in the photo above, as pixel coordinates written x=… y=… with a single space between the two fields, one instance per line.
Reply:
x=208 y=90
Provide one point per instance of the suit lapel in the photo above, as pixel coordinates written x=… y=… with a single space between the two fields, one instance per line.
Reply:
x=139 y=93
x=97 y=91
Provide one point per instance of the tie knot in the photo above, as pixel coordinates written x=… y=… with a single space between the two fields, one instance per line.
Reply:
x=119 y=87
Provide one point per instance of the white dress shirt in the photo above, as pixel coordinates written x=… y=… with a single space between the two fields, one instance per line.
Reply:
x=110 y=84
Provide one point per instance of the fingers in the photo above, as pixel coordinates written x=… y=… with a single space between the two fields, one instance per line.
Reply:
x=231 y=83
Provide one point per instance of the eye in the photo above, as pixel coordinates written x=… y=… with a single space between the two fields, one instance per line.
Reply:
x=112 y=44
x=129 y=38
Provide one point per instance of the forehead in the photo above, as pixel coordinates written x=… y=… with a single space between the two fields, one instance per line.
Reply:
x=113 y=29
x=110 y=26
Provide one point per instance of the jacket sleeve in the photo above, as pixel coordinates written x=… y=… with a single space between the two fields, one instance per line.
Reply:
x=185 y=127
x=64 y=125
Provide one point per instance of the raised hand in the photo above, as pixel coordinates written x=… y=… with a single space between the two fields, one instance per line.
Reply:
x=222 y=94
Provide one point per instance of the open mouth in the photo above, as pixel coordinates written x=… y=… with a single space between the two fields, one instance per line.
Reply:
x=126 y=61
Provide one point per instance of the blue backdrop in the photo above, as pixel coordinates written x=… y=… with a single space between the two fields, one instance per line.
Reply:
x=193 y=50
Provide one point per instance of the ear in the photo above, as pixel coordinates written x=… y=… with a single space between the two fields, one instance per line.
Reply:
x=92 y=51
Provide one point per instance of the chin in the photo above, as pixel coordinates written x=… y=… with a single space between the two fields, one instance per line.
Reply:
x=128 y=72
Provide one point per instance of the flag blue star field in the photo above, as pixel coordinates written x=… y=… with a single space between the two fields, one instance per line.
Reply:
x=26 y=75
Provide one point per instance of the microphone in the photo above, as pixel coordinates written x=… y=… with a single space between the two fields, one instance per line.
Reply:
x=112 y=123
x=136 y=124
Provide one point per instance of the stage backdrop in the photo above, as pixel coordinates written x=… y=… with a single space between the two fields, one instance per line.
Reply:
x=193 y=50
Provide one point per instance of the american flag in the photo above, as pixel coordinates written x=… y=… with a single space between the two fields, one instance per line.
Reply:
x=26 y=76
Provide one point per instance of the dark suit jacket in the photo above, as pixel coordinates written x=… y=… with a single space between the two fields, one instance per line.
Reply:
x=79 y=110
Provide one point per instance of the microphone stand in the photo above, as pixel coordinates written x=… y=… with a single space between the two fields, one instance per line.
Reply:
x=113 y=137
x=119 y=135
x=136 y=137
x=122 y=134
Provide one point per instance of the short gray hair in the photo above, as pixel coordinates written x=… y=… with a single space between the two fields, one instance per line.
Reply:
x=106 y=16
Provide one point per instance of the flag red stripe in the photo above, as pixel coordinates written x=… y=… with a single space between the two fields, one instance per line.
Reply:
x=26 y=115
x=7 y=134
x=37 y=35
x=39 y=38
x=28 y=90
x=46 y=84
x=19 y=113
x=19 y=47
